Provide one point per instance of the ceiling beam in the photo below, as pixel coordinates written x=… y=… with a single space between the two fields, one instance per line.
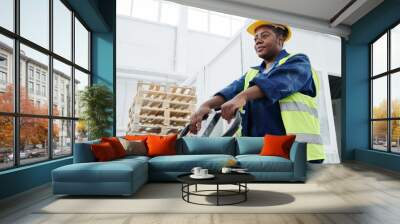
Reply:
x=249 y=11
x=346 y=12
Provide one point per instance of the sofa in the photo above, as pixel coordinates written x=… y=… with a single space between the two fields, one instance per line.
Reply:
x=126 y=175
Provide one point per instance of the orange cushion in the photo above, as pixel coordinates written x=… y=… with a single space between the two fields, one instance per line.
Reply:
x=277 y=145
x=116 y=145
x=103 y=152
x=136 y=137
x=161 y=145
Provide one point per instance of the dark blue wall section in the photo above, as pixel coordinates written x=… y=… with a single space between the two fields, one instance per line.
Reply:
x=355 y=106
x=102 y=58
x=89 y=11
x=100 y=17
x=355 y=99
x=376 y=158
x=104 y=53
x=103 y=64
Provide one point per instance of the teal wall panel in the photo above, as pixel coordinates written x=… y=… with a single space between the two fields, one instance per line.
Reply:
x=103 y=65
x=377 y=158
x=355 y=85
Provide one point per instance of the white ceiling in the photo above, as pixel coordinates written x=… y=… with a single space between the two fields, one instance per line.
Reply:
x=315 y=15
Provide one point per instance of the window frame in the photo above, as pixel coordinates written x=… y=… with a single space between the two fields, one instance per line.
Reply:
x=16 y=115
x=388 y=74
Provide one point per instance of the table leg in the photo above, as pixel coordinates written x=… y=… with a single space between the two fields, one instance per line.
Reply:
x=188 y=190
x=217 y=194
x=245 y=193
x=196 y=187
x=182 y=190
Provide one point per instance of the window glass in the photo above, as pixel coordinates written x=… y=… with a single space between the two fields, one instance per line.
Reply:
x=197 y=19
x=379 y=97
x=395 y=95
x=7 y=14
x=146 y=9
x=62 y=89
x=81 y=131
x=62 y=137
x=81 y=45
x=379 y=56
x=6 y=142
x=62 y=29
x=6 y=74
x=35 y=92
x=81 y=82
x=395 y=136
x=237 y=24
x=220 y=24
x=34 y=21
x=30 y=58
x=379 y=135
x=34 y=144
x=169 y=13
x=124 y=7
x=395 y=47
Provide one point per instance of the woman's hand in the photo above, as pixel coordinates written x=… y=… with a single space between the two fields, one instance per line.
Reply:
x=229 y=108
x=197 y=118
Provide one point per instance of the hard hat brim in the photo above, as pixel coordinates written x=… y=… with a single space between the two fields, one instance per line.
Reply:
x=253 y=27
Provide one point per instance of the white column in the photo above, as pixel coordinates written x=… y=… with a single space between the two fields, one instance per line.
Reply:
x=181 y=42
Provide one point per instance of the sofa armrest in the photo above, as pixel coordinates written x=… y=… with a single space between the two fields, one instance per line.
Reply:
x=83 y=152
x=298 y=155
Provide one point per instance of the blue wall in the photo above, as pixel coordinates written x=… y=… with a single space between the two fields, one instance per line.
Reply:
x=100 y=17
x=355 y=85
x=103 y=65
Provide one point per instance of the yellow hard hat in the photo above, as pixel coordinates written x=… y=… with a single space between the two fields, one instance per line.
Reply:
x=252 y=28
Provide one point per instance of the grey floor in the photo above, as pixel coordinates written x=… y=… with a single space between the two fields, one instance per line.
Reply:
x=377 y=188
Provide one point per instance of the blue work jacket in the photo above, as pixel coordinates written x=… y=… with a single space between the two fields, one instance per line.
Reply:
x=263 y=116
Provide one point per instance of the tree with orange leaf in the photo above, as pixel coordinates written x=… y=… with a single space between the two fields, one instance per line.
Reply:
x=33 y=131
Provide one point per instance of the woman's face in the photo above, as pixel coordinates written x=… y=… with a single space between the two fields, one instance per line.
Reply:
x=267 y=43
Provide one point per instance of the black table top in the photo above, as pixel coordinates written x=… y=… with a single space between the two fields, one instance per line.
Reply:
x=220 y=178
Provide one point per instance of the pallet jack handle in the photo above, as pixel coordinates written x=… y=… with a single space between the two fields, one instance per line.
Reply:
x=234 y=125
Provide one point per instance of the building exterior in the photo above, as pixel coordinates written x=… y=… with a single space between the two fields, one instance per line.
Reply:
x=34 y=80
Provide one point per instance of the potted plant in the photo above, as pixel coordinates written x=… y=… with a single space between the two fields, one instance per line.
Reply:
x=96 y=103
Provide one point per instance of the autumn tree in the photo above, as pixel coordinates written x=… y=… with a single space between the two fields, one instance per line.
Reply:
x=6 y=122
x=380 y=127
x=33 y=131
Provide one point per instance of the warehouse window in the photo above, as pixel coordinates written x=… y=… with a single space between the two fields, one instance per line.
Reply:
x=168 y=13
x=214 y=22
x=385 y=94
x=152 y=10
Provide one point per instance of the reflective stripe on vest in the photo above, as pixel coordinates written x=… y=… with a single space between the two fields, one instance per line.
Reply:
x=299 y=107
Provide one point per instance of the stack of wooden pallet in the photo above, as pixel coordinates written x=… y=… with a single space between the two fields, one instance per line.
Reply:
x=161 y=108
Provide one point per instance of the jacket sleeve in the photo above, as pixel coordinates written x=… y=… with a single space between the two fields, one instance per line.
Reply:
x=232 y=89
x=293 y=76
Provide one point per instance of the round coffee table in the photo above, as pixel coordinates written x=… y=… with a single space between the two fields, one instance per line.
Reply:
x=238 y=179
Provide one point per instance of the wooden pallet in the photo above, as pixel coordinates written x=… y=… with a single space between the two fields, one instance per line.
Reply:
x=161 y=108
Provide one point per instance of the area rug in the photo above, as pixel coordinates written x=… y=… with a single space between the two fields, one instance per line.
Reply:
x=167 y=198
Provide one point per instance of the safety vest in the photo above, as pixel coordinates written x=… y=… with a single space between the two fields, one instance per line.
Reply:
x=299 y=115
